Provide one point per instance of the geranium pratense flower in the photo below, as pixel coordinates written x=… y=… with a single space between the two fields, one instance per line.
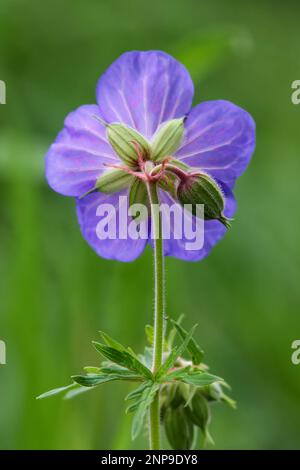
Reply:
x=146 y=92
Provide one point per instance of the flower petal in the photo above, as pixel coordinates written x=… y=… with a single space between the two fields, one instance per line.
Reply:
x=213 y=230
x=120 y=249
x=143 y=89
x=219 y=138
x=77 y=157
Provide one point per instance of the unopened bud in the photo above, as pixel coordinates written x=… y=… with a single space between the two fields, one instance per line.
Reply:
x=176 y=395
x=200 y=412
x=202 y=189
x=214 y=392
x=167 y=138
x=179 y=429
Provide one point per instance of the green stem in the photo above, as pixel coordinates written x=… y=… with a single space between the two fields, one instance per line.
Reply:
x=159 y=310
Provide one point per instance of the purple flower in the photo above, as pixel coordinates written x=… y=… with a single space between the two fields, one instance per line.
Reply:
x=142 y=90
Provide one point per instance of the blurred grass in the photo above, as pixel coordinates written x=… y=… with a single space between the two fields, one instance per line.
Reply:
x=55 y=293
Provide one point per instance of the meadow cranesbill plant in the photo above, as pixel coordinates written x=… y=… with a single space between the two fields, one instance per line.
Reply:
x=144 y=143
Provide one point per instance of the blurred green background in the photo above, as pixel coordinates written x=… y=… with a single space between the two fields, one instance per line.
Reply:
x=55 y=293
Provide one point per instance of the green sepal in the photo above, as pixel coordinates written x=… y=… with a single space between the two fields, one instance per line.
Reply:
x=121 y=138
x=180 y=164
x=167 y=138
x=138 y=195
x=168 y=182
x=113 y=180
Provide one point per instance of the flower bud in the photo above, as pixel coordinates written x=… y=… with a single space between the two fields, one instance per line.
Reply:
x=167 y=138
x=202 y=189
x=176 y=395
x=179 y=429
x=214 y=392
x=200 y=412
x=121 y=137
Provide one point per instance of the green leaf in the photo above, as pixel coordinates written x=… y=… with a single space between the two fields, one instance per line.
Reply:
x=150 y=337
x=123 y=358
x=136 y=396
x=118 y=371
x=108 y=367
x=173 y=331
x=107 y=375
x=92 y=380
x=177 y=374
x=147 y=398
x=131 y=351
x=174 y=354
x=112 y=342
x=74 y=392
x=92 y=370
x=132 y=408
x=194 y=349
x=150 y=334
x=200 y=379
x=147 y=358
x=56 y=391
x=137 y=392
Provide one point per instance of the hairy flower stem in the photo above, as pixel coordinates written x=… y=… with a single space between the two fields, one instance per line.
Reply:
x=159 y=310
